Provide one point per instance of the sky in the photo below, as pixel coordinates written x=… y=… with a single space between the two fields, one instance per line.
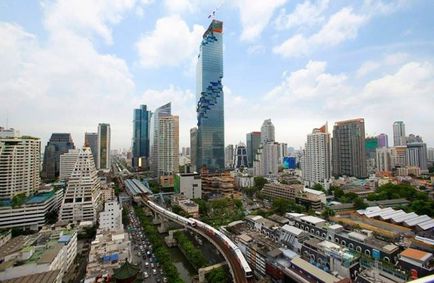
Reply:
x=66 y=66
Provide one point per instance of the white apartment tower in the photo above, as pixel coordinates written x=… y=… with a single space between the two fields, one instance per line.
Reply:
x=104 y=139
x=267 y=160
x=267 y=132
x=168 y=145
x=399 y=133
x=384 y=160
x=19 y=166
x=111 y=218
x=82 y=200
x=317 y=158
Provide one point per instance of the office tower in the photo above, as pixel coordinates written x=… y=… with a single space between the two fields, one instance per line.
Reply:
x=19 y=166
x=399 y=156
x=240 y=156
x=164 y=110
x=267 y=160
x=168 y=145
x=382 y=140
x=229 y=156
x=416 y=155
x=413 y=138
x=430 y=152
x=384 y=161
x=9 y=133
x=91 y=140
x=58 y=144
x=193 y=148
x=253 y=141
x=371 y=144
x=82 y=200
x=185 y=151
x=141 y=137
x=317 y=158
x=267 y=132
x=348 y=148
x=104 y=138
x=399 y=133
x=283 y=151
x=210 y=100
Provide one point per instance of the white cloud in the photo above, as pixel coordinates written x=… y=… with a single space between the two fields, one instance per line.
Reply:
x=85 y=17
x=366 y=68
x=179 y=6
x=255 y=16
x=305 y=14
x=171 y=43
x=256 y=49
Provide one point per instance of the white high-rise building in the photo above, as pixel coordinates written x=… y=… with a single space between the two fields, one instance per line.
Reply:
x=267 y=160
x=416 y=155
x=283 y=151
x=399 y=133
x=384 y=160
x=111 y=218
x=104 y=138
x=267 y=132
x=229 y=156
x=430 y=152
x=168 y=145
x=82 y=200
x=67 y=163
x=316 y=163
x=20 y=160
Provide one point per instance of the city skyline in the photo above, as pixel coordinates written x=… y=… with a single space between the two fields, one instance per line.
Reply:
x=381 y=81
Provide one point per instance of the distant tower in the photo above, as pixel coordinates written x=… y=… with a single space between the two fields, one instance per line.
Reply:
x=253 y=141
x=399 y=133
x=348 y=153
x=240 y=156
x=104 y=157
x=210 y=100
x=382 y=140
x=193 y=148
x=168 y=145
x=164 y=110
x=82 y=200
x=141 y=137
x=229 y=156
x=58 y=144
x=267 y=132
x=91 y=140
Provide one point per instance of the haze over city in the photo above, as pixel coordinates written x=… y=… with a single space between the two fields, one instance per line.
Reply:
x=300 y=63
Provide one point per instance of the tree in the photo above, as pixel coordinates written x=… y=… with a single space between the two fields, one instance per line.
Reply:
x=51 y=216
x=259 y=182
x=318 y=187
x=218 y=275
x=338 y=193
x=327 y=213
x=359 y=203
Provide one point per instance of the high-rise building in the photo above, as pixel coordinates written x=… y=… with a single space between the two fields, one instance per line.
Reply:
x=210 y=100
x=193 y=148
x=430 y=152
x=399 y=156
x=168 y=145
x=240 y=156
x=283 y=151
x=111 y=218
x=19 y=166
x=141 y=137
x=253 y=141
x=67 y=163
x=382 y=140
x=416 y=155
x=185 y=151
x=413 y=138
x=9 y=133
x=164 y=110
x=104 y=140
x=82 y=200
x=316 y=165
x=267 y=160
x=58 y=144
x=399 y=133
x=267 y=132
x=348 y=148
x=229 y=156
x=384 y=161
x=91 y=140
x=371 y=145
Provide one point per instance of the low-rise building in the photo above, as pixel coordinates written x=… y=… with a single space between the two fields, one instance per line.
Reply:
x=189 y=185
x=111 y=218
x=311 y=199
x=293 y=237
x=420 y=263
x=189 y=207
x=277 y=190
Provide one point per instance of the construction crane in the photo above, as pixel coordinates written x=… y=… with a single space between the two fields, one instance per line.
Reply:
x=212 y=14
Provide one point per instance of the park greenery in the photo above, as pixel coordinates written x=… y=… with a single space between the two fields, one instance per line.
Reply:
x=349 y=197
x=18 y=200
x=281 y=206
x=220 y=212
x=218 y=275
x=160 y=250
x=125 y=218
x=193 y=254
x=154 y=186
x=178 y=210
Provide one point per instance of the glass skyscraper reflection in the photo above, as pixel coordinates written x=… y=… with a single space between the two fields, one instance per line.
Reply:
x=141 y=137
x=210 y=100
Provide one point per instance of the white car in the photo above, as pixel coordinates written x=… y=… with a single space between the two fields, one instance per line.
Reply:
x=154 y=271
x=145 y=274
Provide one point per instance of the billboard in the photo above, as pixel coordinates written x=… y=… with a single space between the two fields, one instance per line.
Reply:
x=289 y=162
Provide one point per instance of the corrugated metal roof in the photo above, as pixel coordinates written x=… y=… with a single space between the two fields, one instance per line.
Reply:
x=426 y=225
x=417 y=220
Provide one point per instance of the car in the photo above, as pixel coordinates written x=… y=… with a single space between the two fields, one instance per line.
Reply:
x=146 y=264
x=154 y=271
x=145 y=274
x=165 y=279
x=152 y=265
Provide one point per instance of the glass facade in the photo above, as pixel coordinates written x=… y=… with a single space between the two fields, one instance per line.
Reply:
x=164 y=110
x=253 y=141
x=210 y=100
x=58 y=144
x=141 y=136
x=104 y=161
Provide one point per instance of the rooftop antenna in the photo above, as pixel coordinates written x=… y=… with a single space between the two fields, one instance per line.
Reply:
x=212 y=15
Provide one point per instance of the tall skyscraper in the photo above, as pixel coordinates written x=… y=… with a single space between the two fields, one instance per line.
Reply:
x=58 y=144
x=384 y=161
x=168 y=145
x=430 y=154
x=193 y=148
x=91 y=140
x=164 y=110
x=399 y=133
x=317 y=158
x=267 y=132
x=210 y=100
x=104 y=139
x=82 y=200
x=267 y=160
x=283 y=151
x=253 y=141
x=19 y=166
x=416 y=155
x=348 y=148
x=240 y=156
x=229 y=156
x=141 y=137
x=382 y=140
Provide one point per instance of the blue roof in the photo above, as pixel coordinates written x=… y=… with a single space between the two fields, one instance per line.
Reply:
x=64 y=239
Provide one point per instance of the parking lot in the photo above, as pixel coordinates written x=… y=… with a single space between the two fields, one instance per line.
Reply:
x=142 y=252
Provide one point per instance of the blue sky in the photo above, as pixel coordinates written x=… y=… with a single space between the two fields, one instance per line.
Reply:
x=68 y=65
